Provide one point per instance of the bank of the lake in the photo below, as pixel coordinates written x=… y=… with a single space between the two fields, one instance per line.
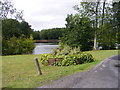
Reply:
x=19 y=71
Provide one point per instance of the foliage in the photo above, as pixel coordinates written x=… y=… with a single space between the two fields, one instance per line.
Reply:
x=25 y=29
x=17 y=46
x=52 y=34
x=8 y=11
x=36 y=35
x=16 y=37
x=77 y=59
x=12 y=30
x=67 y=60
x=74 y=51
x=65 y=51
x=107 y=36
x=105 y=19
x=12 y=27
x=90 y=10
x=116 y=20
x=57 y=63
x=78 y=33
x=44 y=59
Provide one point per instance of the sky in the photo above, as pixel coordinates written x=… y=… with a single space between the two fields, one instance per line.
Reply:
x=45 y=14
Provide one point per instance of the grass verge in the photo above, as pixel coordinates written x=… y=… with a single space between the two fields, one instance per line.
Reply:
x=19 y=71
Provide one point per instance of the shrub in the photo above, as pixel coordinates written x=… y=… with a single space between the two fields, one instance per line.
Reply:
x=44 y=59
x=68 y=60
x=77 y=59
x=15 y=45
x=66 y=51
x=57 y=63
x=75 y=51
x=84 y=58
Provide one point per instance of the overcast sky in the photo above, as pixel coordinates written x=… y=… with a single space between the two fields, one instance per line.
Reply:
x=44 y=14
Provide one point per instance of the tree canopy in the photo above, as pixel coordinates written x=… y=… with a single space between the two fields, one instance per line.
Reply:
x=51 y=34
x=78 y=32
x=100 y=17
x=7 y=10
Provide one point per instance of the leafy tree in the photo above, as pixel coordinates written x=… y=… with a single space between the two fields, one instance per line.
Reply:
x=36 y=35
x=10 y=28
x=91 y=10
x=78 y=33
x=100 y=13
x=14 y=40
x=44 y=34
x=103 y=11
x=52 y=34
x=7 y=10
x=21 y=45
x=116 y=19
x=25 y=28
x=107 y=37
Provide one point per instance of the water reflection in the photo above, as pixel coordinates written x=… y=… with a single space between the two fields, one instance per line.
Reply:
x=41 y=48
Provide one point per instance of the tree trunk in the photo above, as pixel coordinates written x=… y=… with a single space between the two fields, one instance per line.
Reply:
x=95 y=38
x=103 y=12
x=95 y=42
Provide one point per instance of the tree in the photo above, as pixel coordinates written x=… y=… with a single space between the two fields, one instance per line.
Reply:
x=100 y=13
x=78 y=33
x=95 y=37
x=116 y=19
x=7 y=10
x=91 y=10
x=26 y=29
x=52 y=34
x=107 y=37
x=10 y=28
x=36 y=35
x=14 y=40
x=21 y=45
x=103 y=12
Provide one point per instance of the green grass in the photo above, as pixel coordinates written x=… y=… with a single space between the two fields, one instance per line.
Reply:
x=19 y=71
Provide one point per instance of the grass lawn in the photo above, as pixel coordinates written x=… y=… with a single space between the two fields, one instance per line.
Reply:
x=19 y=71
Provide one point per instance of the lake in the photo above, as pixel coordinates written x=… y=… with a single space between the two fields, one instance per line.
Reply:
x=41 y=48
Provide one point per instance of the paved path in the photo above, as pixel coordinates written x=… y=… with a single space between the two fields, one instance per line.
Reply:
x=103 y=75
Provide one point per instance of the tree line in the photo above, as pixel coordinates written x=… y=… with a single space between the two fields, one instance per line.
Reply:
x=48 y=34
x=16 y=37
x=97 y=24
x=16 y=32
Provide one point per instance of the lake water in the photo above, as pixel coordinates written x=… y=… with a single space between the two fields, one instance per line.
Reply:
x=41 y=48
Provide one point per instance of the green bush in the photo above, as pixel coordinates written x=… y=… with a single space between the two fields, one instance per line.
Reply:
x=77 y=59
x=15 y=46
x=66 y=51
x=44 y=59
x=68 y=60
x=84 y=58
x=75 y=51
x=57 y=63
